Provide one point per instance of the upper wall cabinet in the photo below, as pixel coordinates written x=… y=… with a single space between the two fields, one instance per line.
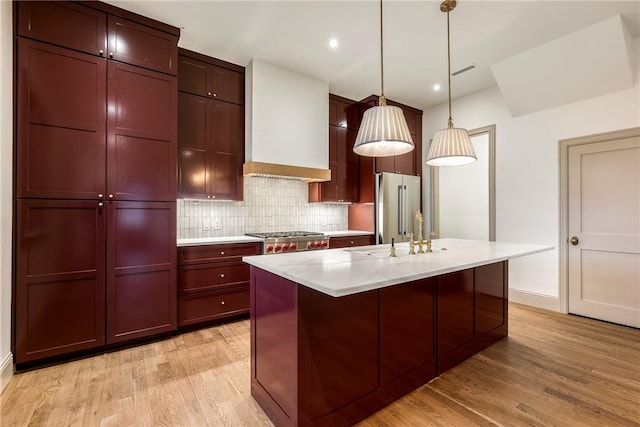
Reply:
x=205 y=76
x=98 y=32
x=210 y=127
x=65 y=24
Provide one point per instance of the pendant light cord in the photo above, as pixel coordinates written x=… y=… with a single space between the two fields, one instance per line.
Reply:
x=449 y=66
x=382 y=100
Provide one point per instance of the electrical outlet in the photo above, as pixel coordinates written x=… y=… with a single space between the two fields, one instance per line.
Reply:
x=206 y=224
x=217 y=224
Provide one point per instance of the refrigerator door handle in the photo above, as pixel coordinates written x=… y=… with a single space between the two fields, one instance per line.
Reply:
x=404 y=210
x=400 y=205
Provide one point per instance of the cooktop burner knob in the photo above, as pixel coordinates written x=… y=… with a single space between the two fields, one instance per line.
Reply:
x=294 y=246
x=325 y=244
x=278 y=248
x=269 y=248
x=312 y=245
x=285 y=247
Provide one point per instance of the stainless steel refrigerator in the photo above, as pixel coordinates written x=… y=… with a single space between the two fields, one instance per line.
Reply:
x=397 y=200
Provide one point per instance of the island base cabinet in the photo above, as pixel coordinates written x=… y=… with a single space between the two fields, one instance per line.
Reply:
x=317 y=360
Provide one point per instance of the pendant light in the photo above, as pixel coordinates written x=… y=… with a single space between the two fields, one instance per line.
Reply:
x=383 y=131
x=450 y=146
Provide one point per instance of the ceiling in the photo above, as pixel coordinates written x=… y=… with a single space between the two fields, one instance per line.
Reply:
x=295 y=35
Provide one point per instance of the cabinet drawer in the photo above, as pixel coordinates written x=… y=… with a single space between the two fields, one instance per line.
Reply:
x=208 y=253
x=212 y=305
x=207 y=276
x=348 y=241
x=66 y=24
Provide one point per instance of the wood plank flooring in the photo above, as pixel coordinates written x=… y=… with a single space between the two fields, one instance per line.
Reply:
x=553 y=369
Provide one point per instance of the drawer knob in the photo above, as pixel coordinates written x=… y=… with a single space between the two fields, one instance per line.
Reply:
x=222 y=275
x=221 y=252
x=351 y=242
x=222 y=303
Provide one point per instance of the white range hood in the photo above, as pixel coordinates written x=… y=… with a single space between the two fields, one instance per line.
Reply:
x=286 y=125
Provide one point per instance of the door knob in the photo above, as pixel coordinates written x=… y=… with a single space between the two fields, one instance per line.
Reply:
x=574 y=240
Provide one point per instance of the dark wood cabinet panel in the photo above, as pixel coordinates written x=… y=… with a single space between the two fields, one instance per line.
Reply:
x=213 y=282
x=343 y=162
x=211 y=138
x=455 y=318
x=60 y=278
x=64 y=23
x=61 y=122
x=343 y=340
x=350 y=241
x=407 y=335
x=141 y=45
x=142 y=134
x=141 y=269
x=210 y=77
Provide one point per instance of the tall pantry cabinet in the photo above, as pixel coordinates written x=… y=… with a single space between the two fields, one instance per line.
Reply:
x=96 y=132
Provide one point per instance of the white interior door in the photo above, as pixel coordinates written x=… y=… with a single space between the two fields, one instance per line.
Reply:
x=604 y=226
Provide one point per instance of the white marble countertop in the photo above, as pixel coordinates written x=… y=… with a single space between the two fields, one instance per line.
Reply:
x=200 y=241
x=340 y=272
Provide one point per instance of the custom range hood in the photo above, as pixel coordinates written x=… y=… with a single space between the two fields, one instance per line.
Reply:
x=286 y=124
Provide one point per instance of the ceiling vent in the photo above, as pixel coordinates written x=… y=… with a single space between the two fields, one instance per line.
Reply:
x=464 y=70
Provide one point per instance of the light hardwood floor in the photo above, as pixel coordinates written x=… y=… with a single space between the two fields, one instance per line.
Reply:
x=553 y=369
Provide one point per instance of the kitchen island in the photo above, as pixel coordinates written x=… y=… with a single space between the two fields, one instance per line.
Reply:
x=338 y=334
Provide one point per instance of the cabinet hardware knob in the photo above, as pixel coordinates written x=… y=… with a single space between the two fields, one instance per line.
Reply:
x=110 y=54
x=222 y=275
x=100 y=196
x=215 y=94
x=208 y=197
x=351 y=242
x=222 y=303
x=111 y=196
x=100 y=204
x=213 y=197
x=208 y=93
x=101 y=52
x=221 y=252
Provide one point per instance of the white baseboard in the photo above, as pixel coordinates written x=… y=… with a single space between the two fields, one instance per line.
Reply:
x=6 y=371
x=536 y=300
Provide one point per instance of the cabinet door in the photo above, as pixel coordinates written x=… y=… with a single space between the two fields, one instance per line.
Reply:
x=64 y=23
x=407 y=335
x=227 y=137
x=60 y=273
x=227 y=85
x=455 y=318
x=140 y=45
x=337 y=113
x=385 y=164
x=405 y=163
x=142 y=134
x=61 y=114
x=141 y=269
x=194 y=159
x=193 y=76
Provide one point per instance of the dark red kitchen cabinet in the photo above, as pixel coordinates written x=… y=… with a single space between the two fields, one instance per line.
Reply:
x=141 y=269
x=491 y=303
x=455 y=318
x=211 y=148
x=141 y=45
x=343 y=162
x=60 y=277
x=407 y=334
x=64 y=23
x=210 y=77
x=61 y=130
x=141 y=134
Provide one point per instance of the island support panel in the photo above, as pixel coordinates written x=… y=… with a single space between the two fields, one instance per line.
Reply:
x=318 y=360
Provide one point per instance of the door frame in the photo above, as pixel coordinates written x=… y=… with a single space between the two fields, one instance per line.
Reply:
x=563 y=241
x=434 y=179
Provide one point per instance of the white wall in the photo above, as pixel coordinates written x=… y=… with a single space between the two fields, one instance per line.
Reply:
x=6 y=144
x=527 y=171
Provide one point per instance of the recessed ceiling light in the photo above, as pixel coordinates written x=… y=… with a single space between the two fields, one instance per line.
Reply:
x=333 y=43
x=436 y=87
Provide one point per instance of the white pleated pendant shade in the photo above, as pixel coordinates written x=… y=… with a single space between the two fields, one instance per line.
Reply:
x=451 y=147
x=383 y=132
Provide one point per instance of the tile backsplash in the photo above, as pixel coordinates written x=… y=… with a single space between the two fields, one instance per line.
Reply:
x=270 y=204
